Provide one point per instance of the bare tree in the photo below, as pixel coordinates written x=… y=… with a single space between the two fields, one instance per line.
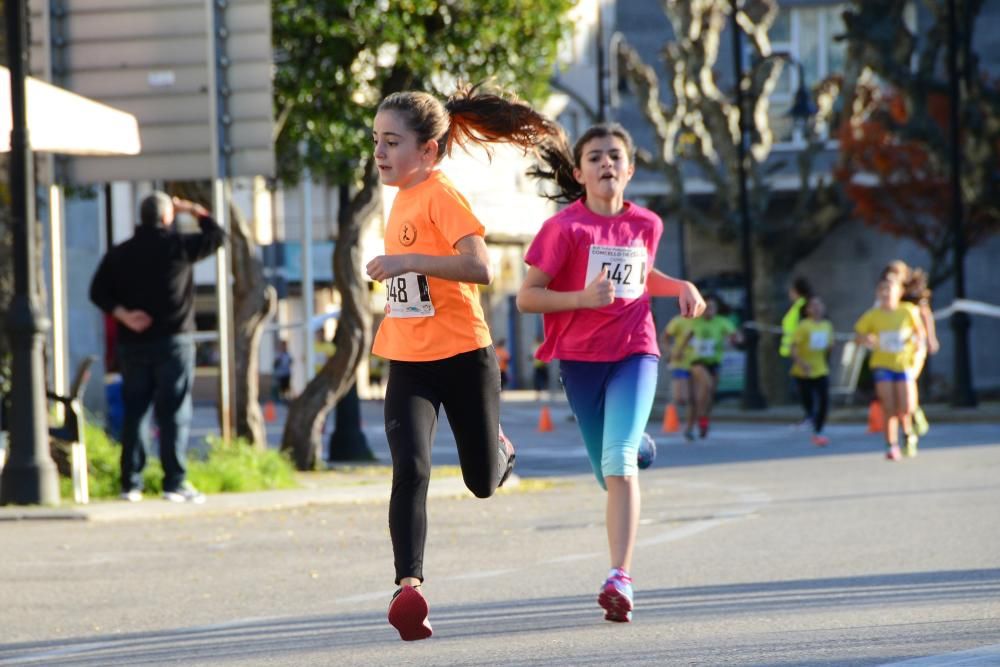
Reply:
x=308 y=412
x=698 y=124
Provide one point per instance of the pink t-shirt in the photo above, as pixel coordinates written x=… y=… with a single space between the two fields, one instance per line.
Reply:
x=571 y=247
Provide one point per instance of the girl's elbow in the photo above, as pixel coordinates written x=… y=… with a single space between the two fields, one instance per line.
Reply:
x=524 y=302
x=519 y=302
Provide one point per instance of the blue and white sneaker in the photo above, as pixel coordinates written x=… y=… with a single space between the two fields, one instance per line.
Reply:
x=647 y=452
x=507 y=454
x=616 y=597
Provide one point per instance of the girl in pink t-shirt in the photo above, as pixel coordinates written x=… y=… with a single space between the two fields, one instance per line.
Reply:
x=591 y=274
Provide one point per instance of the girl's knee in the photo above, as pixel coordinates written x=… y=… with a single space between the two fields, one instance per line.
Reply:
x=480 y=487
x=411 y=472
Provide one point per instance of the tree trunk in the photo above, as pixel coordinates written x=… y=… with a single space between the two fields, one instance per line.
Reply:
x=303 y=433
x=6 y=273
x=773 y=275
x=348 y=441
x=254 y=304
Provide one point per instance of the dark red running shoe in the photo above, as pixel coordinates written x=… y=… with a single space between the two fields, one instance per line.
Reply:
x=408 y=614
x=703 y=426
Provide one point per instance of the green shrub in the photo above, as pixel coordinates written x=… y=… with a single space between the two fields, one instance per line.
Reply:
x=238 y=466
x=227 y=467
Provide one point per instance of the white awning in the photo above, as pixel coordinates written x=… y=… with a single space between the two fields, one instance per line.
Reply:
x=63 y=122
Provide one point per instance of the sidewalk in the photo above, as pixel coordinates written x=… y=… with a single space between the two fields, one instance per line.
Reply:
x=318 y=488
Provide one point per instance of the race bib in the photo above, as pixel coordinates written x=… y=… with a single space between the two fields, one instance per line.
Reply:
x=819 y=340
x=704 y=347
x=626 y=267
x=408 y=295
x=892 y=341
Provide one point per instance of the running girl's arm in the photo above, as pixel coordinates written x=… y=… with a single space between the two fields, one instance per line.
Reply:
x=682 y=342
x=535 y=296
x=797 y=361
x=866 y=339
x=470 y=265
x=689 y=298
x=928 y=317
x=793 y=353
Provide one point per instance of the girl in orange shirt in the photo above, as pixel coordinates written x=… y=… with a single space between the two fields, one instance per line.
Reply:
x=434 y=333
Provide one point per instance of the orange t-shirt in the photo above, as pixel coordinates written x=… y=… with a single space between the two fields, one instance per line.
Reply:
x=429 y=219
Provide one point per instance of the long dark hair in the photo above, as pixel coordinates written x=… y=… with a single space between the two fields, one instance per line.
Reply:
x=472 y=115
x=804 y=289
x=559 y=160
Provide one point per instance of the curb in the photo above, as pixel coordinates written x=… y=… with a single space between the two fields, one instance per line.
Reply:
x=226 y=504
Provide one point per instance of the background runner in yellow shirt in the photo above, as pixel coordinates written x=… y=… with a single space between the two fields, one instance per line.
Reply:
x=810 y=352
x=892 y=332
x=709 y=335
x=680 y=351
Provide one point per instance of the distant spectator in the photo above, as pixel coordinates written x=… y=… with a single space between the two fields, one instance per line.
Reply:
x=503 y=360
x=147 y=284
x=540 y=372
x=281 y=374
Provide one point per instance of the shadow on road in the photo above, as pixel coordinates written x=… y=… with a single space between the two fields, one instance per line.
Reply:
x=327 y=634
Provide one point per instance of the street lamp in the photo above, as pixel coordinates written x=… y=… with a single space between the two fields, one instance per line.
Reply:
x=752 y=398
x=963 y=394
x=29 y=476
x=803 y=108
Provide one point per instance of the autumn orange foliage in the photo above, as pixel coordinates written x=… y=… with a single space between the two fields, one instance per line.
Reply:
x=896 y=183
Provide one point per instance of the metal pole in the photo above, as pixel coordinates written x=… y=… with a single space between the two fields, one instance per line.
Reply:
x=963 y=394
x=308 y=297
x=602 y=113
x=752 y=398
x=220 y=121
x=29 y=476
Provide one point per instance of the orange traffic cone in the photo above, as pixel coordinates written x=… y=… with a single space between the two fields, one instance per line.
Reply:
x=670 y=422
x=876 y=419
x=545 y=421
x=270 y=414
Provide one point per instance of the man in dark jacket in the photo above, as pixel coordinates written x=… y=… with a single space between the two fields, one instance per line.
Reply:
x=147 y=285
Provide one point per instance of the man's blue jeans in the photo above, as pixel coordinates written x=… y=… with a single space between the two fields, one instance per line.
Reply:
x=157 y=373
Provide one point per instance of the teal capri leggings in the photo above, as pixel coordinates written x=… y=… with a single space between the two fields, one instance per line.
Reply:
x=612 y=401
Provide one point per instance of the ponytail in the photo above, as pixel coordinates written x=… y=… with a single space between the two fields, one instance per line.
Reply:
x=557 y=158
x=470 y=116
x=484 y=118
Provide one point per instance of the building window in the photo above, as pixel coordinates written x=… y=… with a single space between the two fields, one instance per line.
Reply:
x=807 y=35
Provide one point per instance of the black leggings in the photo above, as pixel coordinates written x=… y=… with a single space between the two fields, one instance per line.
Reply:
x=815 y=393
x=468 y=386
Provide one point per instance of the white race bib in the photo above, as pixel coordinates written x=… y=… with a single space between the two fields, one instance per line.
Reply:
x=704 y=348
x=408 y=295
x=626 y=267
x=892 y=341
x=819 y=340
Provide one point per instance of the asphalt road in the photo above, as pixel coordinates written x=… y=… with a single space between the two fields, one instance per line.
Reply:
x=756 y=549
